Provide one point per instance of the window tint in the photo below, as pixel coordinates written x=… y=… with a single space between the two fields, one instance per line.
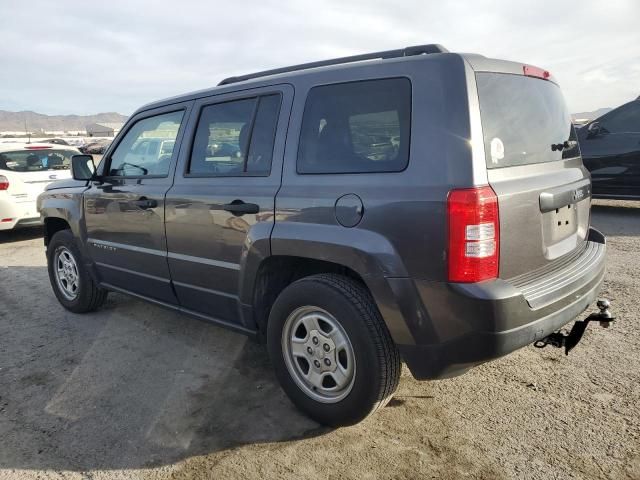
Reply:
x=167 y=147
x=138 y=153
x=36 y=160
x=356 y=127
x=524 y=121
x=375 y=136
x=263 y=135
x=626 y=119
x=236 y=138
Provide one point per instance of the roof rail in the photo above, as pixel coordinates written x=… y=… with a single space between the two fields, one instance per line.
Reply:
x=401 y=52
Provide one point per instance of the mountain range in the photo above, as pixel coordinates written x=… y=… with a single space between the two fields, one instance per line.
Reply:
x=35 y=122
x=16 y=121
x=590 y=115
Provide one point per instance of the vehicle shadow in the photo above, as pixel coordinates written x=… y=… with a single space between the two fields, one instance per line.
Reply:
x=20 y=234
x=617 y=218
x=129 y=386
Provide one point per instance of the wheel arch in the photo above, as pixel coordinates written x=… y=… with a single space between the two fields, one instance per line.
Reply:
x=265 y=276
x=60 y=210
x=53 y=225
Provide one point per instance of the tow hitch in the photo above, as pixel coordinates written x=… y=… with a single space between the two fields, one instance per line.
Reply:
x=569 y=341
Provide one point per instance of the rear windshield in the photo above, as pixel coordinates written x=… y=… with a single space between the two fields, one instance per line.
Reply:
x=524 y=121
x=36 y=160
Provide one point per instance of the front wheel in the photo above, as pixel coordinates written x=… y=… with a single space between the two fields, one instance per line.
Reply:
x=331 y=350
x=72 y=285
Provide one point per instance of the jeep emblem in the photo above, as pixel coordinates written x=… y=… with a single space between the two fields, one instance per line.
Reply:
x=578 y=194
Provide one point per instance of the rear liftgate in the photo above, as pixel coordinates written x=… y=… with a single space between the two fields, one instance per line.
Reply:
x=568 y=341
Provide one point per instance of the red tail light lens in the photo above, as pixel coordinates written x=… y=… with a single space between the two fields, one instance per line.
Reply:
x=4 y=183
x=531 y=71
x=474 y=234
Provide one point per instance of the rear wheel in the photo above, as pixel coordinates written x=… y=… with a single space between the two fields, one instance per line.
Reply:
x=331 y=350
x=72 y=285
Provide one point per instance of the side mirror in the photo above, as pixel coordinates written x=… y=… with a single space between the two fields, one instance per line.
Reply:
x=82 y=167
x=593 y=130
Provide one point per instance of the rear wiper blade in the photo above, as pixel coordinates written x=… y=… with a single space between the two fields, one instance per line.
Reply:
x=563 y=146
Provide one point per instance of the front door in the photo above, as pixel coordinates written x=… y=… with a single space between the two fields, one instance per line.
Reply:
x=124 y=211
x=613 y=155
x=223 y=197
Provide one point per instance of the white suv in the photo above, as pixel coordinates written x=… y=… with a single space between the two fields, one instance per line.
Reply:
x=25 y=170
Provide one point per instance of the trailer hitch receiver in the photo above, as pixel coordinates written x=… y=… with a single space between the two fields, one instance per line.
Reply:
x=569 y=340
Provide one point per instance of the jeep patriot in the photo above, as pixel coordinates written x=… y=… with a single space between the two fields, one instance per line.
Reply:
x=410 y=205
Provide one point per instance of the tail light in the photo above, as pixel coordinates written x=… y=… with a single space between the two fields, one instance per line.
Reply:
x=4 y=183
x=474 y=234
x=531 y=71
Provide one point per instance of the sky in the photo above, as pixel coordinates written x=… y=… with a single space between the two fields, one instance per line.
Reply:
x=85 y=57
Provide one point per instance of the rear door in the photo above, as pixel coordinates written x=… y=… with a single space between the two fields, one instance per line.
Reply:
x=534 y=166
x=223 y=196
x=124 y=212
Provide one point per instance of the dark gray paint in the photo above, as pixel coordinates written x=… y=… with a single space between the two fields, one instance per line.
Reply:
x=137 y=258
x=530 y=238
x=349 y=210
x=199 y=231
x=396 y=243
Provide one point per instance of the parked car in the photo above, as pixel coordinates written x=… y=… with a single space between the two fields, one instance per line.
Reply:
x=56 y=141
x=96 y=147
x=422 y=205
x=25 y=170
x=76 y=142
x=148 y=155
x=610 y=147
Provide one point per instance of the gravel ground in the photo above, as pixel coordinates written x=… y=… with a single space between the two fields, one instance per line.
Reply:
x=134 y=391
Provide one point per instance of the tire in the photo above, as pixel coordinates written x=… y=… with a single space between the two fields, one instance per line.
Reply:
x=86 y=296
x=341 y=307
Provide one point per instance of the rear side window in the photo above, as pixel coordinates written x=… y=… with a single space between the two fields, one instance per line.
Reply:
x=356 y=127
x=36 y=160
x=524 y=121
x=236 y=138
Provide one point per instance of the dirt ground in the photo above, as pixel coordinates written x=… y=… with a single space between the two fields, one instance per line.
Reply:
x=134 y=391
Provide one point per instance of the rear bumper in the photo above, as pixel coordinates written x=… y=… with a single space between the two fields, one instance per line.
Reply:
x=18 y=213
x=459 y=326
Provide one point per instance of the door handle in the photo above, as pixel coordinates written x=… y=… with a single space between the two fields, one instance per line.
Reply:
x=238 y=207
x=144 y=203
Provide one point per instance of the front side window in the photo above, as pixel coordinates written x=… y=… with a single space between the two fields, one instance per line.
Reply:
x=140 y=152
x=356 y=127
x=625 y=119
x=236 y=138
x=36 y=160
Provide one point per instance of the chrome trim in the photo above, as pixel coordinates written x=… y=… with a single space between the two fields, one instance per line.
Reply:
x=163 y=253
x=133 y=248
x=206 y=261
x=476 y=135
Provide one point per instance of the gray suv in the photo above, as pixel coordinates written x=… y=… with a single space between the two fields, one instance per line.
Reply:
x=413 y=204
